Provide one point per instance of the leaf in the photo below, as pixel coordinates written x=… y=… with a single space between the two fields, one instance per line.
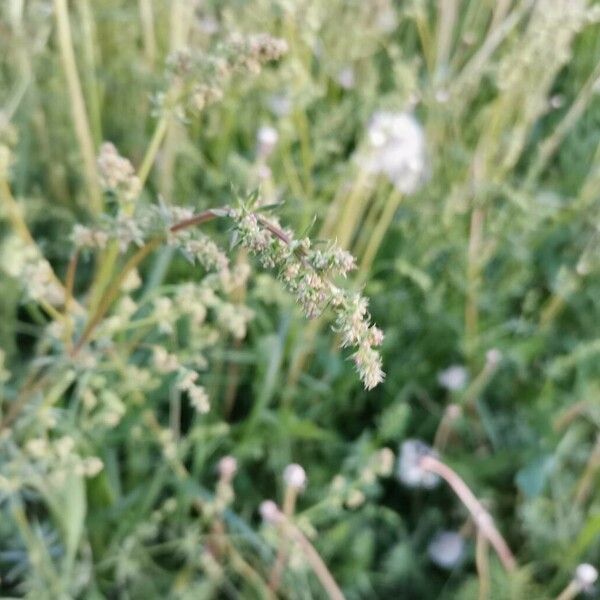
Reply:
x=531 y=479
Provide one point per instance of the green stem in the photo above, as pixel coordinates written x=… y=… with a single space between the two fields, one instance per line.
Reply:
x=78 y=110
x=378 y=234
x=153 y=148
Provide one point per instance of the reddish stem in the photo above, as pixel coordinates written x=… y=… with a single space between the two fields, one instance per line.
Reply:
x=480 y=515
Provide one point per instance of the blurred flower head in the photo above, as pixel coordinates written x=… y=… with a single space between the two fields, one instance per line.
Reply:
x=586 y=575
x=227 y=467
x=269 y=512
x=409 y=469
x=446 y=549
x=294 y=476
x=396 y=148
x=266 y=140
x=454 y=378
x=346 y=78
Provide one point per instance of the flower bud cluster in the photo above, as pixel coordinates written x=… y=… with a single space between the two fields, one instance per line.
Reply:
x=58 y=457
x=87 y=237
x=202 y=249
x=201 y=77
x=196 y=393
x=117 y=174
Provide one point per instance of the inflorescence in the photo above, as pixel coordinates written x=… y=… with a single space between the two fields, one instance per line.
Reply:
x=308 y=272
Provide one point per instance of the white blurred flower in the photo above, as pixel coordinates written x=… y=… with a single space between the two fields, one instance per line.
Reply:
x=586 y=575
x=269 y=512
x=454 y=378
x=346 y=78
x=294 y=476
x=396 y=149
x=446 y=549
x=409 y=468
x=227 y=467
x=493 y=357
x=266 y=140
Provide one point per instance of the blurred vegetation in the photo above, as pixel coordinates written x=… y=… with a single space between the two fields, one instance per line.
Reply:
x=497 y=249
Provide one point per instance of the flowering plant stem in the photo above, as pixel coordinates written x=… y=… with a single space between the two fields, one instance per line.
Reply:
x=147 y=22
x=157 y=139
x=313 y=558
x=289 y=503
x=570 y=592
x=483 y=567
x=111 y=293
x=480 y=516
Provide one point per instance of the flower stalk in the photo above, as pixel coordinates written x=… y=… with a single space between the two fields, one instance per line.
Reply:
x=480 y=515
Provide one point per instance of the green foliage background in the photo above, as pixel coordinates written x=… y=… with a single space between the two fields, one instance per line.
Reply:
x=512 y=136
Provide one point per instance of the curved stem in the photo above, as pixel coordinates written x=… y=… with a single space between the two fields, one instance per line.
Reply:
x=480 y=515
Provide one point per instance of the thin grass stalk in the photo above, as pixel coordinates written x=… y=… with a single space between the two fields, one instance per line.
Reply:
x=592 y=468
x=371 y=218
x=377 y=235
x=344 y=196
x=501 y=8
x=89 y=45
x=315 y=561
x=446 y=21
x=289 y=504
x=483 y=566
x=467 y=81
x=551 y=144
x=146 y=13
x=109 y=257
x=352 y=210
x=180 y=19
x=444 y=430
x=425 y=36
x=570 y=592
x=78 y=110
x=155 y=143
x=473 y=277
